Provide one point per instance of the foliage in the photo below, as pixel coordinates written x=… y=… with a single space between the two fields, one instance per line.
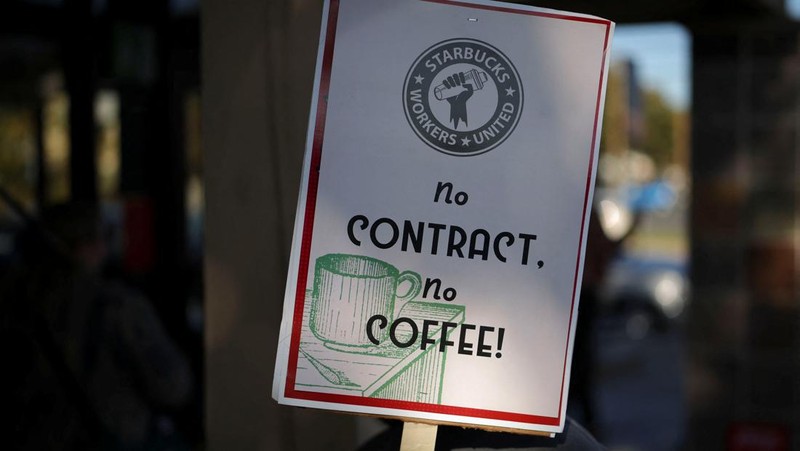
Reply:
x=653 y=127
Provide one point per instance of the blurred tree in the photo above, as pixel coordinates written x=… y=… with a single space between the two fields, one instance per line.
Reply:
x=659 y=136
x=650 y=125
x=614 y=136
x=681 y=121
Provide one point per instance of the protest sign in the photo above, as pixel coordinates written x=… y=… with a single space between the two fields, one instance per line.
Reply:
x=440 y=230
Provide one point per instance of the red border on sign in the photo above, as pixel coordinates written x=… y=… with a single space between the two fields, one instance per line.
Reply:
x=308 y=226
x=311 y=198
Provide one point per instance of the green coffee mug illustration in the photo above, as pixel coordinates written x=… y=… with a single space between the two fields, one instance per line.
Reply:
x=350 y=289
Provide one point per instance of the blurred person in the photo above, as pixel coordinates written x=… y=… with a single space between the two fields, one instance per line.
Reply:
x=91 y=365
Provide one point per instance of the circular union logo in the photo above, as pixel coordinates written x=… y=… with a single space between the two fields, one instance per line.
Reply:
x=462 y=97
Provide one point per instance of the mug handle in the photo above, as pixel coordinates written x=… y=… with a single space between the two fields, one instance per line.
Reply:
x=413 y=291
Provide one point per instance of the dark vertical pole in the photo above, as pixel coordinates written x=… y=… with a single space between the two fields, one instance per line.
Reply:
x=41 y=174
x=79 y=74
x=166 y=164
x=152 y=147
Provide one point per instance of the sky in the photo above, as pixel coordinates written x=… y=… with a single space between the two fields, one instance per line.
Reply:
x=662 y=56
x=793 y=8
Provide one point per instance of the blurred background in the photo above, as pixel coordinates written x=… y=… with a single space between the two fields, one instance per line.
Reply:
x=185 y=122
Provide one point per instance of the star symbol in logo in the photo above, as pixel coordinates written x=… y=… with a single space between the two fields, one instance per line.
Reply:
x=510 y=91
x=418 y=79
x=465 y=141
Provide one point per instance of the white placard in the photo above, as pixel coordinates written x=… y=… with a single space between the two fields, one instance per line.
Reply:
x=440 y=231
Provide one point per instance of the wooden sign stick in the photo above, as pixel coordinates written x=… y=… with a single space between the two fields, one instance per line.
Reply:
x=418 y=437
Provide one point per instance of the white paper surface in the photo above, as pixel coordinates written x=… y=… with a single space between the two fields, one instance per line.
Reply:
x=541 y=82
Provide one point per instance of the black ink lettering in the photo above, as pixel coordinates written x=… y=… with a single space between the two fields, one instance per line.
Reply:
x=474 y=244
x=437 y=283
x=373 y=234
x=484 y=350
x=435 y=240
x=449 y=294
x=393 y=332
x=409 y=234
x=509 y=241
x=454 y=246
x=441 y=187
x=500 y=334
x=425 y=339
x=445 y=342
x=381 y=325
x=465 y=347
x=364 y=221
x=526 y=246
x=475 y=249
x=460 y=197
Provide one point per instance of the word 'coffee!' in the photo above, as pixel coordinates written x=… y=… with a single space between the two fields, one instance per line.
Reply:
x=404 y=332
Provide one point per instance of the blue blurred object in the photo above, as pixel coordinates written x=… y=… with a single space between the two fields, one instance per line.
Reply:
x=654 y=196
